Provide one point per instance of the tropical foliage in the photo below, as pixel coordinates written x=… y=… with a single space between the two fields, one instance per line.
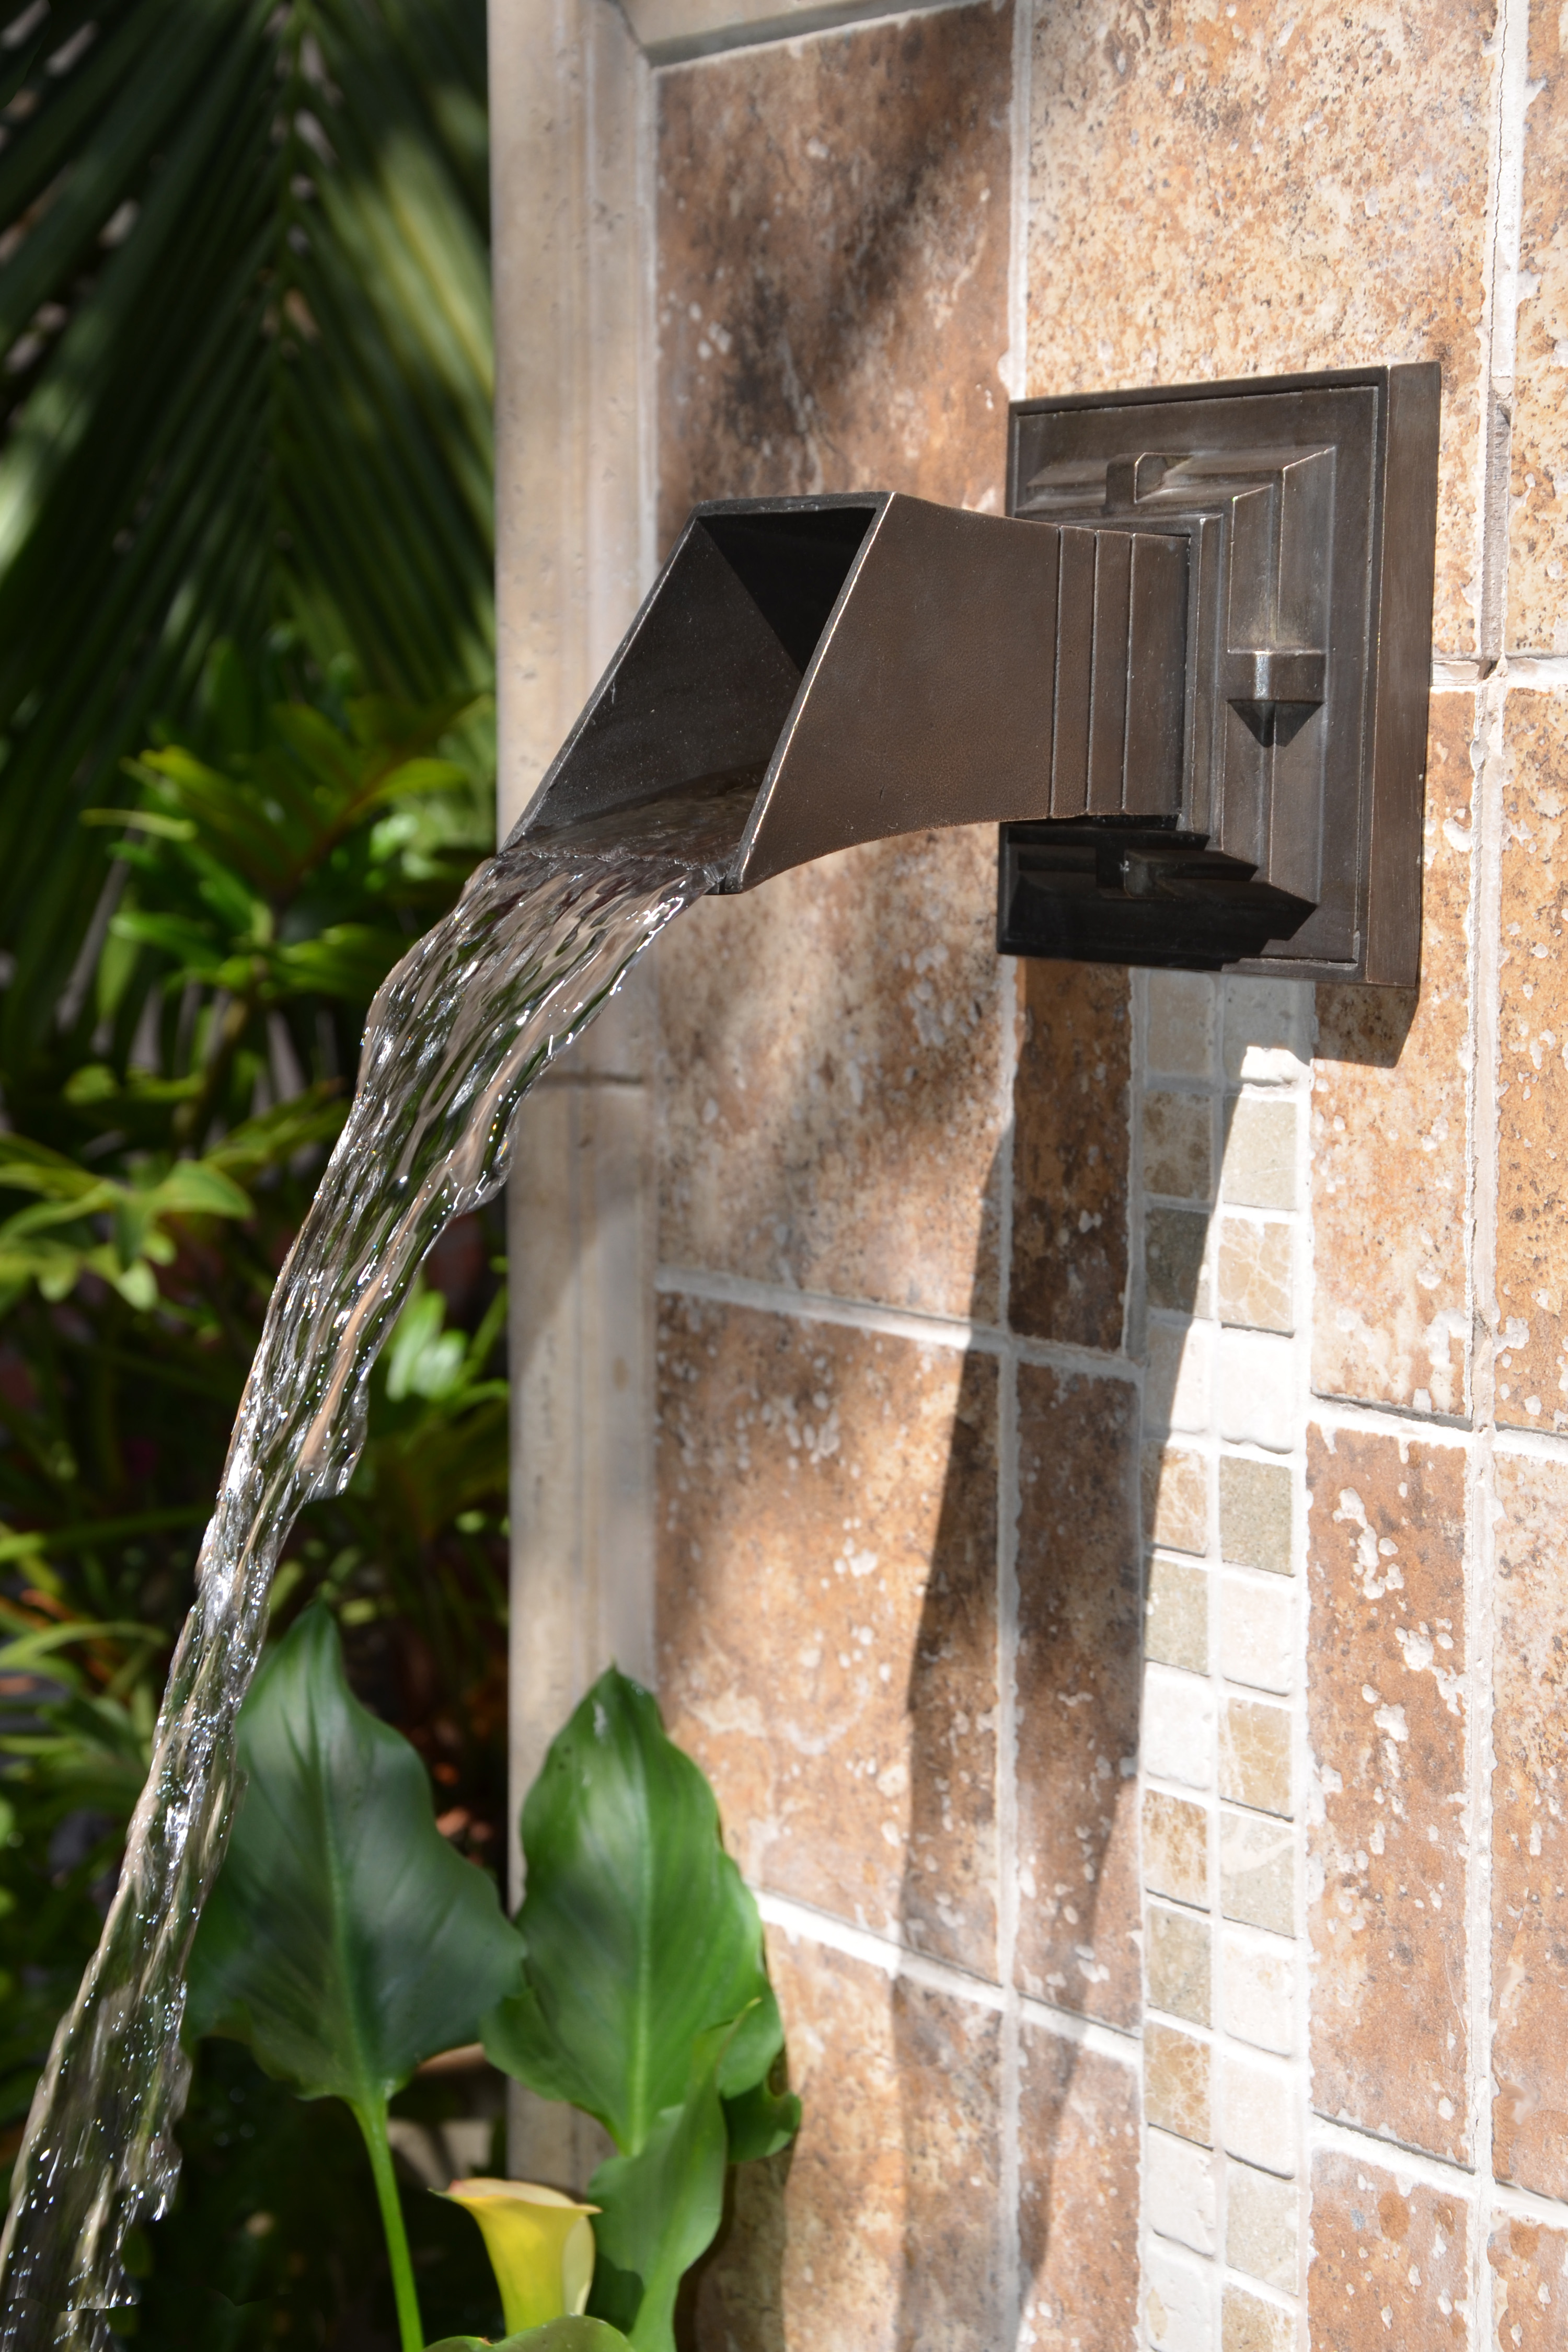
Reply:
x=345 y=1942
x=245 y=632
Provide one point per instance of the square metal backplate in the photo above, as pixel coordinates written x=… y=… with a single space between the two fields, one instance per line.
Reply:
x=1309 y=507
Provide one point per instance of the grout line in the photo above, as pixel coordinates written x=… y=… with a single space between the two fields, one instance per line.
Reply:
x=1475 y=2186
x=794 y=24
x=645 y=229
x=891 y=1322
x=803 y=1923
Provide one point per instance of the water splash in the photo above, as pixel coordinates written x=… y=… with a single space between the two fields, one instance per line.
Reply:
x=543 y=934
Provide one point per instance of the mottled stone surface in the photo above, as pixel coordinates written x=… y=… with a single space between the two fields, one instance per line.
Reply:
x=1529 y=1834
x=1175 y=1847
x=1254 y=1755
x=1257 y=1512
x=1071 y=1146
x=1391 y=1135
x=1299 y=193
x=832 y=1040
x=1538 y=501
x=1533 y=1076
x=1260 y=2220
x=1530 y=2286
x=1179 y=1964
x=1175 y=1614
x=1378 y=2250
x=1387 y=1725
x=1258 y=1872
x=833 y=224
x=1176 y=1497
x=1179 y=1144
x=1251 y=2324
x=1078 y=2195
x=1173 y=1244
x=1176 y=2085
x=879 y=2233
x=1256 y=1268
x=826 y=1615
x=1079 y=1606
x=1258 y=1166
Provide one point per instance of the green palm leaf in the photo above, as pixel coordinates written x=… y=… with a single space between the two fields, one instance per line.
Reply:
x=245 y=383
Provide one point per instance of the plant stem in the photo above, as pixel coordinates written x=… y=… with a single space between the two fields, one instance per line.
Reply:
x=372 y=2122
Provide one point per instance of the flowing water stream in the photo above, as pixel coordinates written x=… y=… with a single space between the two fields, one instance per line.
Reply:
x=458 y=1033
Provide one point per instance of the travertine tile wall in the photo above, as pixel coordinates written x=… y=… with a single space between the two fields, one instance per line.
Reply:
x=1112 y=1430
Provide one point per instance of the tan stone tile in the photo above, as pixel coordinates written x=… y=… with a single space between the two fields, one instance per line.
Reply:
x=1530 y=1837
x=1078 y=2195
x=879 y=2231
x=1177 y=1145
x=1254 y=1755
x=1181 y=1025
x=1175 y=1614
x=1180 y=2202
x=1258 y=1872
x=1254 y=1275
x=1173 y=1244
x=1259 y=1981
x=1299 y=194
x=1178 y=1964
x=1078 y=1691
x=831 y=1105
x=1175 y=2082
x=1378 y=2249
x=1530 y=2285
x=1175 y=1847
x=1391 y=1135
x=1251 y=2324
x=826 y=1612
x=1258 y=1162
x=1269 y=1029
x=838 y=212
x=1257 y=1633
x=1070 y=1147
x=1258 y=2103
x=1256 y=1514
x=1179 y=1359
x=1538 y=501
x=1176 y=1497
x=1387 y=1724
x=1261 y=2225
x=1533 y=1078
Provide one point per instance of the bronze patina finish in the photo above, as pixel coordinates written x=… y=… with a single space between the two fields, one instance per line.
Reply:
x=1187 y=675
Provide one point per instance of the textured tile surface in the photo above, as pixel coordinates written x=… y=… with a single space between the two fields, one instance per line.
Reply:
x=1538 y=552
x=1175 y=1847
x=1529 y=1834
x=1177 y=2082
x=830 y=1040
x=1533 y=1078
x=1257 y=1511
x=1078 y=2196
x=1079 y=1606
x=827 y=1631
x=1178 y=1964
x=886 y=2236
x=1530 y=2285
x=1386 y=1727
x=1305 y=192
x=1390 y=1135
x=1380 y=2249
x=833 y=221
x=1176 y=1497
x=1069 y=1155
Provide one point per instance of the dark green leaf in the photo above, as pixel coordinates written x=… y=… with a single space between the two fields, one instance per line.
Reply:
x=640 y=1931
x=344 y=1941
x=660 y=2208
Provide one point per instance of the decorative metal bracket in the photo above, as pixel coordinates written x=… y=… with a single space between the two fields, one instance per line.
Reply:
x=1187 y=673
x=1308 y=507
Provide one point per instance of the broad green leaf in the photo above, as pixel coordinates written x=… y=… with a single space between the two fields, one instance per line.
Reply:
x=556 y=2336
x=640 y=1932
x=660 y=2208
x=344 y=1941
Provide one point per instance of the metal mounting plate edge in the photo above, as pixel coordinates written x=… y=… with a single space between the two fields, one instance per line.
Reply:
x=1309 y=505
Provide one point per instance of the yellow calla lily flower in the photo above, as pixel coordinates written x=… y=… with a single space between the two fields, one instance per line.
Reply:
x=541 y=2246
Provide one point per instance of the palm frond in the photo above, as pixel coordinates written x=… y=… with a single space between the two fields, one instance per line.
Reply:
x=244 y=384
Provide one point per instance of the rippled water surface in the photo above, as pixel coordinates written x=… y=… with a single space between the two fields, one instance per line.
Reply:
x=456 y=1036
